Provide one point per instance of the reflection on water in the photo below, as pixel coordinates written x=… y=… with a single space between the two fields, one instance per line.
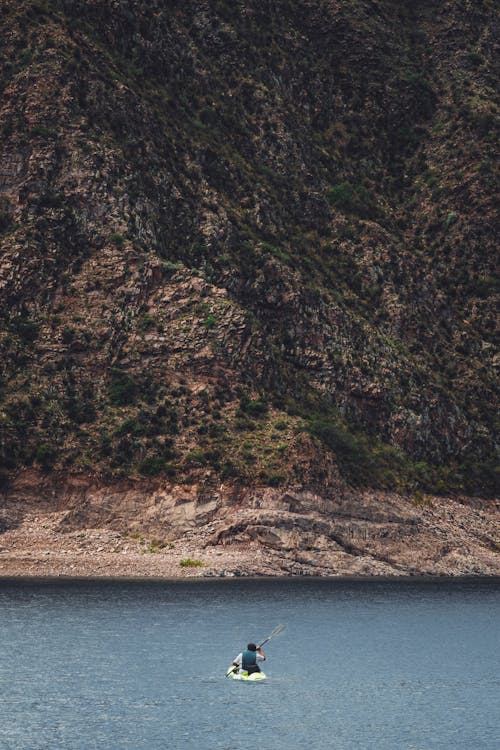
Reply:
x=365 y=665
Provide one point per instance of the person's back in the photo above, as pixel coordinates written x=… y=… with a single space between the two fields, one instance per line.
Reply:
x=247 y=660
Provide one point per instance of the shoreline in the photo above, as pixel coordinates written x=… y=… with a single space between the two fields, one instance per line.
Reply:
x=417 y=578
x=265 y=534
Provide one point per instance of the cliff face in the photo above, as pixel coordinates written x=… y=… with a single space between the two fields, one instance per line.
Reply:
x=249 y=242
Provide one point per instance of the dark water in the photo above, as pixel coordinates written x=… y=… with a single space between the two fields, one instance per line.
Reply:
x=366 y=665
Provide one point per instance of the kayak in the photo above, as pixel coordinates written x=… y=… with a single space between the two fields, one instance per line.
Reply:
x=245 y=677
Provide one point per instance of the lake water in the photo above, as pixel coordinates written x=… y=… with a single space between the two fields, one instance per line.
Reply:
x=365 y=665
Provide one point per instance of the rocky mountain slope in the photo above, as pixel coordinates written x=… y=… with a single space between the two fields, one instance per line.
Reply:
x=250 y=243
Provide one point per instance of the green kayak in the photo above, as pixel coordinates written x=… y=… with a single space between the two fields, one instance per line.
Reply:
x=244 y=676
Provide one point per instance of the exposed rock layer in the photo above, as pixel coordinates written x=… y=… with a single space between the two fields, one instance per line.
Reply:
x=128 y=530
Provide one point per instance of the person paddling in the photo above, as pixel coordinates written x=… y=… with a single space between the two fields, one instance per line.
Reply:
x=247 y=660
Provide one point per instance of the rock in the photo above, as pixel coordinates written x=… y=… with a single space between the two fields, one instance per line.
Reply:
x=347 y=534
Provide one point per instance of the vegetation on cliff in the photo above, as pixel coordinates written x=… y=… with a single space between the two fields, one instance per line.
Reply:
x=249 y=240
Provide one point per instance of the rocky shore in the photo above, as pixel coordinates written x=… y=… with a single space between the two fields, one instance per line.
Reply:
x=133 y=530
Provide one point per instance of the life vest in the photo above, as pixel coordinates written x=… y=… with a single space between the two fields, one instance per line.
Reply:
x=248 y=659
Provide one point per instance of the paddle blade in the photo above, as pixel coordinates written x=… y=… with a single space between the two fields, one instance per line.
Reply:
x=277 y=630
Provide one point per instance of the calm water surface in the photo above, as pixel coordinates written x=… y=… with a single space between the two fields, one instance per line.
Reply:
x=365 y=665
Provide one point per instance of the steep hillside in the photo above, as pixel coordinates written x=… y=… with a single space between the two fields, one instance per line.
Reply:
x=250 y=241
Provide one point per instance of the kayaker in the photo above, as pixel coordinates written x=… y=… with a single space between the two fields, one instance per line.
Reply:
x=247 y=660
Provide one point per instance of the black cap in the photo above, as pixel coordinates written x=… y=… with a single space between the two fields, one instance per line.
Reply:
x=251 y=647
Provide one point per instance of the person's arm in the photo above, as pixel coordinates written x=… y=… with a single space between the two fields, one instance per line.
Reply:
x=260 y=654
x=238 y=660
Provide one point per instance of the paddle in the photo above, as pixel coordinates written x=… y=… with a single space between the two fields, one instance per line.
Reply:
x=277 y=630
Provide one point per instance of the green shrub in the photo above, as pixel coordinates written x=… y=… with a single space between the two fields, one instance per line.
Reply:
x=210 y=116
x=132 y=426
x=243 y=423
x=475 y=58
x=165 y=420
x=202 y=308
x=421 y=500
x=253 y=407
x=157 y=545
x=484 y=286
x=338 y=438
x=154 y=465
x=276 y=251
x=212 y=456
x=347 y=232
x=105 y=445
x=123 y=389
x=146 y=322
x=196 y=457
x=118 y=239
x=169 y=267
x=273 y=479
x=353 y=199
x=68 y=335
x=229 y=469
x=451 y=218
x=124 y=452
x=423 y=95
x=26 y=328
x=6 y=219
x=210 y=321
x=80 y=409
x=44 y=132
x=188 y=562
x=46 y=456
x=407 y=137
x=214 y=430
x=21 y=411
